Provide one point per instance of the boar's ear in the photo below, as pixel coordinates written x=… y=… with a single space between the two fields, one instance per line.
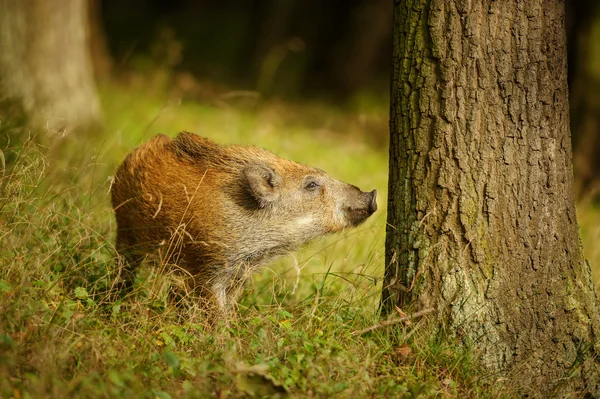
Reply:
x=262 y=182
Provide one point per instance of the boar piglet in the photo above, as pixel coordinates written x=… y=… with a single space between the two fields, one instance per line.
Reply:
x=219 y=212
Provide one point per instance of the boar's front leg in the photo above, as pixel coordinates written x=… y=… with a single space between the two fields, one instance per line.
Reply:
x=219 y=291
x=226 y=287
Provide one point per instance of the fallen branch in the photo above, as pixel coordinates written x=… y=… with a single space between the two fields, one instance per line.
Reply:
x=388 y=323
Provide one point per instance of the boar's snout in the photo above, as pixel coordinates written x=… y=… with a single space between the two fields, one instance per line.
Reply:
x=361 y=207
x=373 y=201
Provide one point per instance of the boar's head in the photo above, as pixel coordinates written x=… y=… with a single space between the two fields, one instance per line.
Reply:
x=310 y=201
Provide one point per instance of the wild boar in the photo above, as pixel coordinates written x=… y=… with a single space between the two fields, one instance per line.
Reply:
x=221 y=211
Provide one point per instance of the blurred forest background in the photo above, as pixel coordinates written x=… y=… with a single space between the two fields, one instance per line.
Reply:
x=289 y=48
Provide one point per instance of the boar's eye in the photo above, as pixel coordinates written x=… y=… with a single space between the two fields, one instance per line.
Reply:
x=311 y=185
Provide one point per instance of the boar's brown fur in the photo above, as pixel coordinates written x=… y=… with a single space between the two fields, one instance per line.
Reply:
x=219 y=212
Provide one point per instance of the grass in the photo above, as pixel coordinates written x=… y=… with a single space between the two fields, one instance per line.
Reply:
x=66 y=331
x=588 y=217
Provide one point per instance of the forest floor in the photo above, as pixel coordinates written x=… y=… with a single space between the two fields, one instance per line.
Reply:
x=66 y=331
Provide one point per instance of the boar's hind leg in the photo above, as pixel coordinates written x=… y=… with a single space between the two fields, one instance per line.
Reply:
x=127 y=265
x=127 y=261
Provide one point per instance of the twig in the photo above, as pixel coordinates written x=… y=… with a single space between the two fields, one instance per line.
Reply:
x=387 y=323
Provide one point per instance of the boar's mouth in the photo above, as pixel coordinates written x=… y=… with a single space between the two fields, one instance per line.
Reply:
x=357 y=215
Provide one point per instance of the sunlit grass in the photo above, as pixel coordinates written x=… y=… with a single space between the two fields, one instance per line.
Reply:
x=588 y=217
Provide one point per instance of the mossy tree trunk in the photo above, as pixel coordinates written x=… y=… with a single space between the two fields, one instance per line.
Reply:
x=45 y=63
x=481 y=215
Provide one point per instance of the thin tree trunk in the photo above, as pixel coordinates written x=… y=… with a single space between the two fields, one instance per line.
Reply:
x=45 y=63
x=101 y=59
x=481 y=216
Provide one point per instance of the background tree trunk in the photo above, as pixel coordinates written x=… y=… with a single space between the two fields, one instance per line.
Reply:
x=45 y=64
x=101 y=59
x=481 y=216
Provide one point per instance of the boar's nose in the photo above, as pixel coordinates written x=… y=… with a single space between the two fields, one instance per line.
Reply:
x=373 y=202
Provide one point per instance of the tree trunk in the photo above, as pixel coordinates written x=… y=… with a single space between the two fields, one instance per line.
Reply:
x=101 y=59
x=481 y=216
x=44 y=63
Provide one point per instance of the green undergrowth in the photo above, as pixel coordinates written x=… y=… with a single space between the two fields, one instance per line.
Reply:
x=67 y=330
x=588 y=217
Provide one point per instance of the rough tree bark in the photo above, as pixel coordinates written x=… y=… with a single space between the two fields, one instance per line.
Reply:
x=45 y=64
x=481 y=216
